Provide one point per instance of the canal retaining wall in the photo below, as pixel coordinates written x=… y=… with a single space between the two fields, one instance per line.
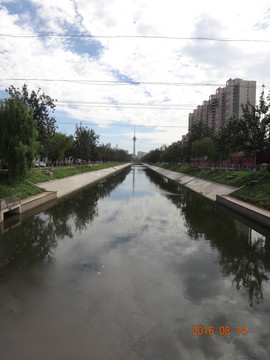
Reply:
x=28 y=204
x=37 y=200
x=217 y=192
x=253 y=212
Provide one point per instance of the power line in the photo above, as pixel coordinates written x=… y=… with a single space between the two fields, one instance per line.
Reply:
x=111 y=82
x=119 y=82
x=136 y=107
x=126 y=105
x=121 y=125
x=70 y=102
x=44 y=35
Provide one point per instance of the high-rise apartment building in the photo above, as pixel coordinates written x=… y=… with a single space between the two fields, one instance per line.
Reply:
x=220 y=110
x=239 y=92
x=226 y=102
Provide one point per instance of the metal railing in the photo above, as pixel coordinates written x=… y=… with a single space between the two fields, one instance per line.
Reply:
x=9 y=202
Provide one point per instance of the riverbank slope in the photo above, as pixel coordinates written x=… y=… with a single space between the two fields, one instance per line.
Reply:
x=55 y=189
x=216 y=192
x=209 y=189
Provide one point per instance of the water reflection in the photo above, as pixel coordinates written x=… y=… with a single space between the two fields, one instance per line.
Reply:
x=35 y=239
x=125 y=272
x=244 y=254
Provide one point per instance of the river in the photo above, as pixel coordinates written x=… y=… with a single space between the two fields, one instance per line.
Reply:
x=135 y=267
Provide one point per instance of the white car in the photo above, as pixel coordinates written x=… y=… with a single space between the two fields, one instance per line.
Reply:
x=40 y=164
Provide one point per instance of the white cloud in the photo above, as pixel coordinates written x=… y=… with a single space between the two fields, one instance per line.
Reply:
x=142 y=59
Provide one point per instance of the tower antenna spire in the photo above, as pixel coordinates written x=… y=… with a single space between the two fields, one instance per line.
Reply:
x=134 y=141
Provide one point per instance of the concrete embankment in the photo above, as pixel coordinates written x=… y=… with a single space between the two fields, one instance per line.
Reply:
x=206 y=188
x=58 y=188
x=217 y=192
x=69 y=184
x=253 y=212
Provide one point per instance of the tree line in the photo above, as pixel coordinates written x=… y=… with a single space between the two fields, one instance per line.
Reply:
x=250 y=133
x=28 y=129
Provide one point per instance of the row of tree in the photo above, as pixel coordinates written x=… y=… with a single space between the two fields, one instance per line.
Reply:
x=28 y=130
x=250 y=133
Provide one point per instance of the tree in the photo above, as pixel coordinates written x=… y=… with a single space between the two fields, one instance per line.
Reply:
x=255 y=125
x=85 y=143
x=198 y=131
x=58 y=145
x=204 y=147
x=154 y=156
x=229 y=139
x=171 y=154
x=105 y=152
x=120 y=155
x=18 y=135
x=41 y=105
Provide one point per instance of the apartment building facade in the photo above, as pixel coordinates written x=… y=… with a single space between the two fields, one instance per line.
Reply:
x=226 y=102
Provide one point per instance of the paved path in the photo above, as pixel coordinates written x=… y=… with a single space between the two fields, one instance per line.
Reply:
x=72 y=183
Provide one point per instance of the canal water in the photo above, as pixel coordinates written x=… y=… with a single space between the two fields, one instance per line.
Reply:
x=135 y=267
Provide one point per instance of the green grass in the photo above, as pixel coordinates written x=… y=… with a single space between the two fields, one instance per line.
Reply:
x=255 y=186
x=37 y=175
x=258 y=194
x=21 y=187
x=26 y=189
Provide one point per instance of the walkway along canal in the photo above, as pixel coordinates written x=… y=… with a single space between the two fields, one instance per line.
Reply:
x=135 y=267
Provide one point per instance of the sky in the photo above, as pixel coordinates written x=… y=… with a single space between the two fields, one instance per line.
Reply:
x=120 y=65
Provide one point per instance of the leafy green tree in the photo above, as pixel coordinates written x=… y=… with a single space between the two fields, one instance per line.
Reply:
x=198 y=131
x=85 y=143
x=184 y=153
x=121 y=155
x=203 y=147
x=171 y=154
x=154 y=156
x=229 y=139
x=255 y=125
x=42 y=106
x=58 y=145
x=18 y=135
x=105 y=152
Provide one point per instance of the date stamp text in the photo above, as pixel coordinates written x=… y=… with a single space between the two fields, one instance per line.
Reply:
x=220 y=330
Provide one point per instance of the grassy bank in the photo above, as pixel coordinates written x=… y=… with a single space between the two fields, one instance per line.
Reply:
x=38 y=175
x=26 y=187
x=255 y=186
x=21 y=187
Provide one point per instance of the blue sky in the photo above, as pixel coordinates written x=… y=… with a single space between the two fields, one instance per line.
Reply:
x=116 y=64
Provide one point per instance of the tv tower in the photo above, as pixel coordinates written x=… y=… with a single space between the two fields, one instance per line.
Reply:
x=134 y=140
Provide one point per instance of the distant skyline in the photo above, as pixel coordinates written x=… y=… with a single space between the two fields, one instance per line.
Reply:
x=116 y=64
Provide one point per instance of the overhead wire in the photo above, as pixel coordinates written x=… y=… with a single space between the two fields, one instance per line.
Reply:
x=126 y=105
x=113 y=82
x=122 y=82
x=120 y=125
x=131 y=37
x=119 y=82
